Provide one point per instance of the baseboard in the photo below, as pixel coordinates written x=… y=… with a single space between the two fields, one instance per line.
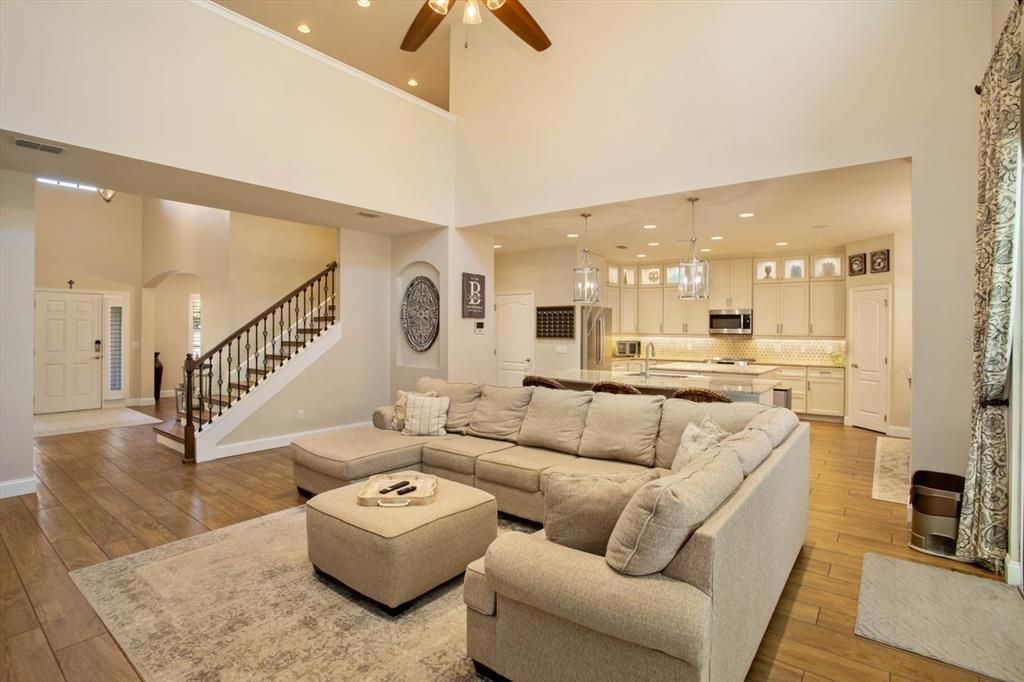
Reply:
x=271 y=442
x=139 y=402
x=1013 y=573
x=169 y=393
x=18 y=486
x=898 y=431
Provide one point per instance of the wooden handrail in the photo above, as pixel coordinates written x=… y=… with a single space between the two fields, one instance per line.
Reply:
x=235 y=334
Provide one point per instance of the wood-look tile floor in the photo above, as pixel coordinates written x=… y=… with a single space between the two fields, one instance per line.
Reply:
x=104 y=494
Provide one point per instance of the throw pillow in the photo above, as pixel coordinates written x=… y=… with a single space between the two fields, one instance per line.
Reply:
x=581 y=510
x=696 y=439
x=554 y=419
x=622 y=427
x=425 y=416
x=663 y=514
x=678 y=413
x=398 y=416
x=463 y=400
x=750 y=446
x=499 y=412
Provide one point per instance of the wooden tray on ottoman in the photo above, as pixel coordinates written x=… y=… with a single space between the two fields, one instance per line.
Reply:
x=425 y=493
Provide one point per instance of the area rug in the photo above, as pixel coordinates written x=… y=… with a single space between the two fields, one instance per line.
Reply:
x=960 y=619
x=243 y=603
x=88 y=420
x=891 y=481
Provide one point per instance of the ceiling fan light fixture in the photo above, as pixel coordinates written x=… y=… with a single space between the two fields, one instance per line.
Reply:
x=495 y=4
x=106 y=194
x=439 y=6
x=471 y=12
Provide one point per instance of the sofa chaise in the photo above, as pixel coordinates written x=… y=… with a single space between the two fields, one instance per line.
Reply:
x=539 y=610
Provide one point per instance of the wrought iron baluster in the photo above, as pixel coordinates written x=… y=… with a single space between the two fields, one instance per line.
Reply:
x=220 y=383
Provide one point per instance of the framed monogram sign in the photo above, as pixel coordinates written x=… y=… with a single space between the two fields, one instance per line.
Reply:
x=473 y=304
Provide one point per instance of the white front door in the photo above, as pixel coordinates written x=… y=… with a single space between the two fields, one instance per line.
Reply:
x=515 y=319
x=67 y=361
x=869 y=358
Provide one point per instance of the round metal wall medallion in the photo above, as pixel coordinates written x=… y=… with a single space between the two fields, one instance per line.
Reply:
x=421 y=314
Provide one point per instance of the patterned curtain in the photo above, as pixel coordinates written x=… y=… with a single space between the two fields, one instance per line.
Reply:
x=984 y=518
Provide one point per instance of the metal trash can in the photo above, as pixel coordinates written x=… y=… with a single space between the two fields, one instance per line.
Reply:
x=935 y=498
x=782 y=397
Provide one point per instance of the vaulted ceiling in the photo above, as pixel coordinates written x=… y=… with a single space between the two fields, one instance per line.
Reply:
x=367 y=38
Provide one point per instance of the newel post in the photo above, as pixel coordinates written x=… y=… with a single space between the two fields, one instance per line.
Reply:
x=190 y=429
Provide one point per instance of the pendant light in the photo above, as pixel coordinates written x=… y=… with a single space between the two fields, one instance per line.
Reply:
x=586 y=277
x=693 y=272
x=471 y=12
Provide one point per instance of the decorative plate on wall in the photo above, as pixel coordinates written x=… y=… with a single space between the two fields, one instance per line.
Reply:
x=858 y=264
x=421 y=314
x=880 y=261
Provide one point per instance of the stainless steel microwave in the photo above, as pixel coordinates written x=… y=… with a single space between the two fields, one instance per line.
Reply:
x=627 y=349
x=736 y=321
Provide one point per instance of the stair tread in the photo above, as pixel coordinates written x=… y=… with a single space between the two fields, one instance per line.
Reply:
x=275 y=356
x=257 y=370
x=171 y=429
x=293 y=343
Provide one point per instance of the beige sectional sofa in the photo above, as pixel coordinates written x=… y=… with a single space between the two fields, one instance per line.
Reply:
x=538 y=610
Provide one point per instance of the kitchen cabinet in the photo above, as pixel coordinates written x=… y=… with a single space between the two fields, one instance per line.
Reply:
x=682 y=316
x=649 y=312
x=795 y=379
x=611 y=299
x=781 y=309
x=627 y=310
x=826 y=391
x=828 y=308
x=730 y=285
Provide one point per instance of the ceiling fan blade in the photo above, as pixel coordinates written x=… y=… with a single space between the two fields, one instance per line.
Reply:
x=520 y=22
x=422 y=26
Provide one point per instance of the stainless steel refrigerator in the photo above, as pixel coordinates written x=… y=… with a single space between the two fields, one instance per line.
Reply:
x=595 y=330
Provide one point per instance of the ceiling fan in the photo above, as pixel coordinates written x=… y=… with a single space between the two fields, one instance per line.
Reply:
x=509 y=12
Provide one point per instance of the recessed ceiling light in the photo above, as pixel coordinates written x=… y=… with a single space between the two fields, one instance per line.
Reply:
x=363 y=3
x=746 y=215
x=649 y=227
x=413 y=82
x=572 y=235
x=621 y=247
x=705 y=250
x=717 y=238
x=303 y=28
x=641 y=255
x=653 y=243
x=781 y=243
x=497 y=246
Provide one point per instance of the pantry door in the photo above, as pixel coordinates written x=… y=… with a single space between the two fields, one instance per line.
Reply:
x=515 y=320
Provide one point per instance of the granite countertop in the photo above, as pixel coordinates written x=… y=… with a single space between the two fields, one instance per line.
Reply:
x=730 y=386
x=711 y=368
x=656 y=361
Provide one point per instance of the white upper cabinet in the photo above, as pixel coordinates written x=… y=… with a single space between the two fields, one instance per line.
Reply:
x=828 y=308
x=730 y=285
x=611 y=299
x=627 y=311
x=674 y=308
x=613 y=274
x=627 y=275
x=649 y=313
x=696 y=317
x=781 y=309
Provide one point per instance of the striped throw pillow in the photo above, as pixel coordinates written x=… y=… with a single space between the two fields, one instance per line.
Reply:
x=425 y=416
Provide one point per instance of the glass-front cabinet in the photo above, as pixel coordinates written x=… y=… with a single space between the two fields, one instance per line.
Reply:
x=766 y=270
x=827 y=267
x=613 y=274
x=671 y=275
x=627 y=275
x=650 y=276
x=795 y=268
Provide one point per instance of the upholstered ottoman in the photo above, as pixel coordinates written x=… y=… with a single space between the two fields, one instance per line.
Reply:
x=394 y=555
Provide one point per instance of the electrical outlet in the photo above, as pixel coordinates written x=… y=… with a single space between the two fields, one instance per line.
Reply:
x=136 y=345
x=562 y=349
x=301 y=415
x=777 y=347
x=689 y=345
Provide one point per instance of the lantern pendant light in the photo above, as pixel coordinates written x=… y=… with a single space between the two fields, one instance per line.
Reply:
x=693 y=272
x=586 y=277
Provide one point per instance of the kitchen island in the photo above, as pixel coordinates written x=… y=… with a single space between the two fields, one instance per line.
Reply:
x=739 y=389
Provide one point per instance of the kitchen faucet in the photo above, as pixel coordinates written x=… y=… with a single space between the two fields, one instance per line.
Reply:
x=648 y=354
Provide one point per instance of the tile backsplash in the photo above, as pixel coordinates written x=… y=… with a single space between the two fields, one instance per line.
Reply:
x=781 y=351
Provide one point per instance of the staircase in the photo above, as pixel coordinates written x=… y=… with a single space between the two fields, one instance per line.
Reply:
x=222 y=376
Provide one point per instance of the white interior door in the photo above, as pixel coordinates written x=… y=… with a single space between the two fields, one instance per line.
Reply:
x=515 y=319
x=869 y=358
x=68 y=365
